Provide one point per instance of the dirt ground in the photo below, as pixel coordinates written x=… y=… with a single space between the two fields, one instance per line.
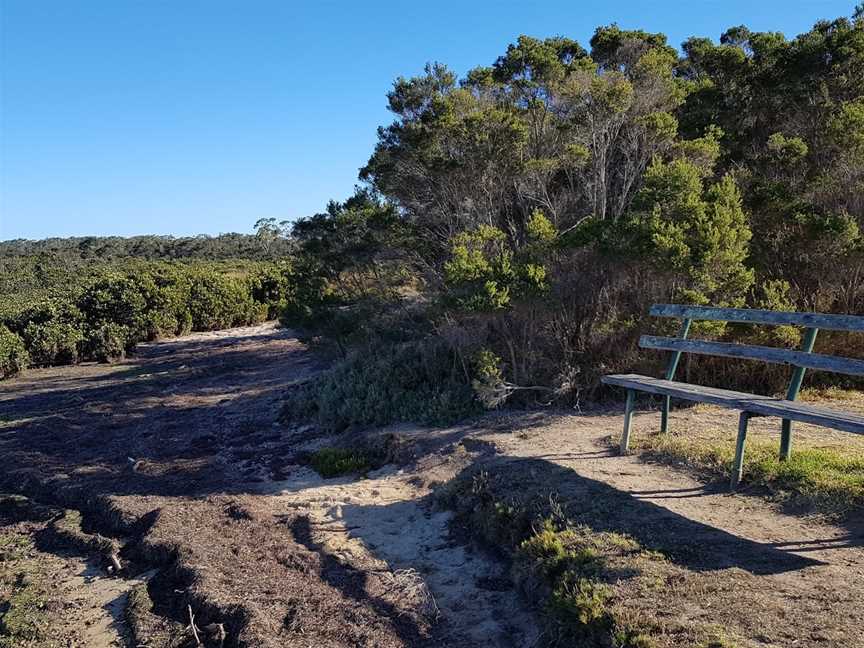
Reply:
x=177 y=456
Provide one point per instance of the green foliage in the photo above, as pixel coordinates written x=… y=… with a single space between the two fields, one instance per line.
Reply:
x=100 y=313
x=217 y=302
x=13 y=354
x=109 y=341
x=333 y=462
x=53 y=343
x=388 y=383
x=568 y=570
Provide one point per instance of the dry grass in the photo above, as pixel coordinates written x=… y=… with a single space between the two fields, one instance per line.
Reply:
x=826 y=470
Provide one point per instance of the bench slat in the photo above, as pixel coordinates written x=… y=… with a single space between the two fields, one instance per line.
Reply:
x=774 y=355
x=754 y=316
x=764 y=405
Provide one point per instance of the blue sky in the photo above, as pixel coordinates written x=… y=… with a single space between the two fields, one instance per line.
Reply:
x=190 y=116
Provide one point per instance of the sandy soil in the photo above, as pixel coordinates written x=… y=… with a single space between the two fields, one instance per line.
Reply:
x=179 y=449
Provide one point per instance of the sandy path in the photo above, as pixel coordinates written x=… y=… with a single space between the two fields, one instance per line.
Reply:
x=391 y=518
x=797 y=567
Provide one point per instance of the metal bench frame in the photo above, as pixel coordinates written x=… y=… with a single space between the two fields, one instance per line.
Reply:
x=750 y=404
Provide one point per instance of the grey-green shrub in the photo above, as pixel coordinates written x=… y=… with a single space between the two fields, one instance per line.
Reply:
x=416 y=381
x=108 y=342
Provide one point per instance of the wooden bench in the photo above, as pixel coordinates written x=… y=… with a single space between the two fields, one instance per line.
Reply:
x=750 y=405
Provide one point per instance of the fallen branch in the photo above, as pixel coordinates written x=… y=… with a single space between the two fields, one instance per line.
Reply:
x=192 y=626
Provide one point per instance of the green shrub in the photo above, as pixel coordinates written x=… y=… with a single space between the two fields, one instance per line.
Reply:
x=119 y=299
x=332 y=462
x=13 y=354
x=217 y=301
x=272 y=285
x=419 y=382
x=53 y=343
x=108 y=342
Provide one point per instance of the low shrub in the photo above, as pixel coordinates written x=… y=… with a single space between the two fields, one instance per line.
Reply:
x=418 y=381
x=13 y=354
x=333 y=462
x=101 y=313
x=566 y=569
x=217 y=301
x=108 y=342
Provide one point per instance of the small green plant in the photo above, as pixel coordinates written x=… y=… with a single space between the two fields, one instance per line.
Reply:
x=333 y=462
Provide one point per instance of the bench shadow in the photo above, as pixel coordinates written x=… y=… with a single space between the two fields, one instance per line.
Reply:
x=697 y=546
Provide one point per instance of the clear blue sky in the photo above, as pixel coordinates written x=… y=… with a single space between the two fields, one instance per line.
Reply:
x=190 y=116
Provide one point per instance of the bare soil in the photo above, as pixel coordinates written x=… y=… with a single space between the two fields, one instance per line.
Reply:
x=177 y=454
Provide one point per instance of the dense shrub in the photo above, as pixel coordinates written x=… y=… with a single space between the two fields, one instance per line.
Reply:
x=53 y=343
x=273 y=285
x=13 y=354
x=217 y=301
x=415 y=381
x=108 y=342
x=102 y=312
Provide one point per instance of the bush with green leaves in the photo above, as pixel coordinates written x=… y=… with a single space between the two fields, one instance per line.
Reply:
x=218 y=301
x=101 y=312
x=415 y=381
x=53 y=343
x=13 y=354
x=108 y=342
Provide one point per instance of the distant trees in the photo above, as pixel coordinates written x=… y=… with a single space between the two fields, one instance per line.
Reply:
x=225 y=246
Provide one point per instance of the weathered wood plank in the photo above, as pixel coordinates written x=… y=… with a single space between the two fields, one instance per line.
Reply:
x=764 y=405
x=817 y=361
x=755 y=316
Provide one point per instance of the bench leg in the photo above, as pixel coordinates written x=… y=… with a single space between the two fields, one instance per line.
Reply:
x=738 y=464
x=664 y=415
x=628 y=421
x=786 y=440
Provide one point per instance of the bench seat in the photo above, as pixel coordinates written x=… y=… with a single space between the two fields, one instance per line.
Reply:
x=754 y=404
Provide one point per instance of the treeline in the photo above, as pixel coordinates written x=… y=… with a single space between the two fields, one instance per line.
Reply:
x=262 y=245
x=517 y=223
x=102 y=313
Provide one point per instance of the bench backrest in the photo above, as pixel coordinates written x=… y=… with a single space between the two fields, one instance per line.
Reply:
x=801 y=359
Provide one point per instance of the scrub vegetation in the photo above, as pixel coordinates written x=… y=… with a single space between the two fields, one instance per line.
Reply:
x=69 y=303
x=516 y=224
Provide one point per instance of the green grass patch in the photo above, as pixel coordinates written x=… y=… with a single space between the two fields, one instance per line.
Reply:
x=826 y=479
x=333 y=462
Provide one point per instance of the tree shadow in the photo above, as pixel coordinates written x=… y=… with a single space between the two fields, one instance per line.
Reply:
x=353 y=583
x=171 y=424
